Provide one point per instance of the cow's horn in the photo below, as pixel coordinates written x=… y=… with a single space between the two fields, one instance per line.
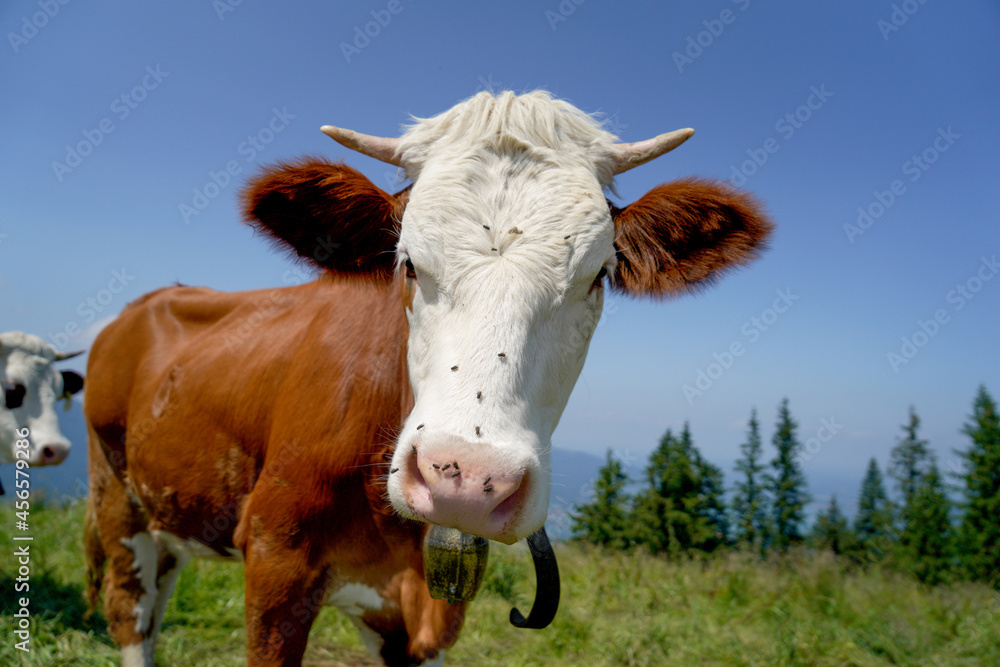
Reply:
x=380 y=148
x=640 y=152
x=60 y=356
x=546 y=603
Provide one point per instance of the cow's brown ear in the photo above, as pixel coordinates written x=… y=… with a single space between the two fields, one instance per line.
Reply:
x=685 y=234
x=327 y=214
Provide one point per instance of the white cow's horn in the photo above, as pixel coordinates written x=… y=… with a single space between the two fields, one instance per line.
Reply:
x=60 y=356
x=380 y=148
x=640 y=152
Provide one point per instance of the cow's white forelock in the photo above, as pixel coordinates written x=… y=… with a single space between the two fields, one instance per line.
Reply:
x=549 y=127
x=27 y=343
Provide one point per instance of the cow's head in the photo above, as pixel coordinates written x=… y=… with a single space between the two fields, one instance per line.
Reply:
x=503 y=245
x=31 y=386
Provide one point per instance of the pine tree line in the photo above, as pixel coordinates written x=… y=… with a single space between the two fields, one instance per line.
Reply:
x=681 y=507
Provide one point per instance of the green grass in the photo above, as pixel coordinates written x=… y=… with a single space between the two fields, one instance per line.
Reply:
x=617 y=609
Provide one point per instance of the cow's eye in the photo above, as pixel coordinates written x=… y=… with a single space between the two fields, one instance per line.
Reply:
x=600 y=277
x=13 y=395
x=411 y=273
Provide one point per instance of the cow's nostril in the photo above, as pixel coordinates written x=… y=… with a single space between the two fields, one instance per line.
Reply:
x=53 y=454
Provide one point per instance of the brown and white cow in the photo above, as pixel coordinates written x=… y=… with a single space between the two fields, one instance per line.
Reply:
x=311 y=430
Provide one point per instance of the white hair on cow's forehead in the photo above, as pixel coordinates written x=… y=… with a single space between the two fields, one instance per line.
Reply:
x=495 y=164
x=26 y=342
x=534 y=120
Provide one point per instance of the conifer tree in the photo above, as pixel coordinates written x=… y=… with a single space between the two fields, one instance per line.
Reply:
x=830 y=530
x=909 y=460
x=980 y=528
x=709 y=505
x=677 y=511
x=873 y=523
x=929 y=550
x=712 y=505
x=750 y=505
x=787 y=483
x=656 y=516
x=604 y=520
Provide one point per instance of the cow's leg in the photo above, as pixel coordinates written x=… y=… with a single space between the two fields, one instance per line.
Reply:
x=284 y=592
x=130 y=577
x=156 y=568
x=117 y=540
x=171 y=559
x=140 y=575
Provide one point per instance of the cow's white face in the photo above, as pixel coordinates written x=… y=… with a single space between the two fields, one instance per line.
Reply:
x=31 y=388
x=504 y=292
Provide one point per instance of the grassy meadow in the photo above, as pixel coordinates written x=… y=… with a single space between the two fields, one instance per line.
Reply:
x=617 y=609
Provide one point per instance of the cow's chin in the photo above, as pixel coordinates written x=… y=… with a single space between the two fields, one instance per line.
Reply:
x=505 y=524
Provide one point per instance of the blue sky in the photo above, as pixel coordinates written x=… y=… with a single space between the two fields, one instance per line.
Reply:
x=116 y=114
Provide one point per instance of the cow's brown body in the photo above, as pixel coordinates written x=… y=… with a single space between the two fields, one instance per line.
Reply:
x=256 y=424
